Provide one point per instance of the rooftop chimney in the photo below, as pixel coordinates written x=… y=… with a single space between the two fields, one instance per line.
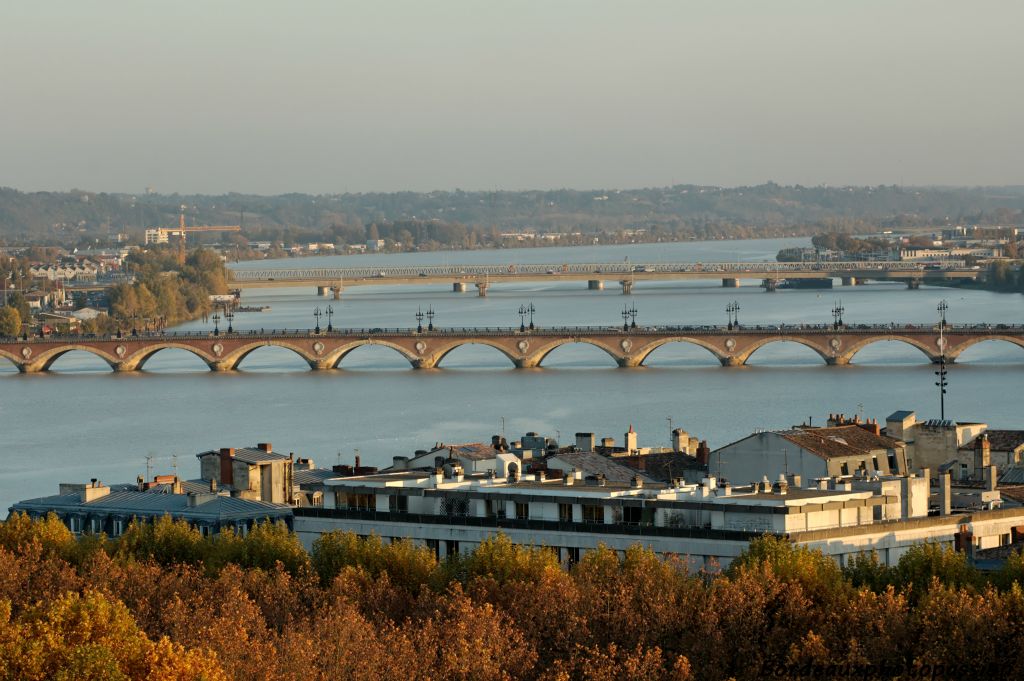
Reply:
x=945 y=494
x=637 y=481
x=982 y=456
x=226 y=474
x=265 y=447
x=585 y=442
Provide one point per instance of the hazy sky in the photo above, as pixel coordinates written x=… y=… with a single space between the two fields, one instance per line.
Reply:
x=332 y=96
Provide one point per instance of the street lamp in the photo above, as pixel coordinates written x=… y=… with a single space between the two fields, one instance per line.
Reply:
x=531 y=309
x=419 y=320
x=330 y=313
x=522 y=318
x=837 y=314
x=430 y=318
x=317 y=313
x=628 y=313
x=229 y=315
x=732 y=309
x=941 y=373
x=216 y=324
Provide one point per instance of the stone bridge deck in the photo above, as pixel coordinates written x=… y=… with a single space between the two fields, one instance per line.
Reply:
x=425 y=350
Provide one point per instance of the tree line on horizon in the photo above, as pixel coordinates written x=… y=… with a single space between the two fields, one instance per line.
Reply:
x=163 y=602
x=458 y=219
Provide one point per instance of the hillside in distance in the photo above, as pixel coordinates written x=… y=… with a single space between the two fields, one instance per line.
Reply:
x=681 y=210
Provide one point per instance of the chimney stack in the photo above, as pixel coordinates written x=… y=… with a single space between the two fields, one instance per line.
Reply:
x=227 y=454
x=265 y=447
x=585 y=442
x=982 y=456
x=945 y=494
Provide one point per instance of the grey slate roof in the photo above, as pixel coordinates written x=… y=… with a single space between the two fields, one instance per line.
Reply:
x=590 y=463
x=251 y=455
x=150 y=504
x=312 y=477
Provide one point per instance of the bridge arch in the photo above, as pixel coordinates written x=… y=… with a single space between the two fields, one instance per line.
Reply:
x=643 y=353
x=45 y=360
x=455 y=345
x=137 y=360
x=958 y=349
x=233 y=359
x=538 y=356
x=850 y=352
x=335 y=357
x=745 y=355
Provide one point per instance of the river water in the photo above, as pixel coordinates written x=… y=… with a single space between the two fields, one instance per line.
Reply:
x=82 y=421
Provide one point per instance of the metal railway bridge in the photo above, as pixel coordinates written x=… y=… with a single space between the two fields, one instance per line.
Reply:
x=328 y=279
x=525 y=349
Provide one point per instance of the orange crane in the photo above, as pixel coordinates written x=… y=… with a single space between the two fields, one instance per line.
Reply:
x=181 y=231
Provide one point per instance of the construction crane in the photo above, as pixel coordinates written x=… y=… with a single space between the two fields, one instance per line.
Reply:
x=160 y=235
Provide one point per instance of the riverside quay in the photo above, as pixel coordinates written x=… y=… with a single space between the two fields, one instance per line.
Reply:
x=425 y=349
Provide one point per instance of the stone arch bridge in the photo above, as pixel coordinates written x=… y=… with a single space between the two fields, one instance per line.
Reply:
x=525 y=349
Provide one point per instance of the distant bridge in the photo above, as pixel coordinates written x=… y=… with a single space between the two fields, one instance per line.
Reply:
x=625 y=273
x=525 y=349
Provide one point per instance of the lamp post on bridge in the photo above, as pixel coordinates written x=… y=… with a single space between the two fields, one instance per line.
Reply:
x=522 y=318
x=230 y=316
x=419 y=320
x=216 y=323
x=837 y=315
x=531 y=309
x=330 y=313
x=733 y=310
x=941 y=373
x=430 y=318
x=316 y=314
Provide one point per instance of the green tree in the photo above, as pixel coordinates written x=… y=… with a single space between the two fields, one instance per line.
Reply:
x=10 y=321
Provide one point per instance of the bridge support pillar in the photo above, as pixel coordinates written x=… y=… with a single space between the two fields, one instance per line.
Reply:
x=481 y=288
x=627 y=287
x=320 y=364
x=949 y=360
x=850 y=281
x=595 y=285
x=628 y=362
x=837 y=361
x=730 y=282
x=322 y=290
x=221 y=365
x=122 y=367
x=731 y=361
x=913 y=284
x=770 y=285
x=336 y=290
x=459 y=287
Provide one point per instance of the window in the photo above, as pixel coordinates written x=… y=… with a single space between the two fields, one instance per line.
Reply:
x=593 y=513
x=892 y=462
x=874 y=464
x=565 y=513
x=844 y=469
x=358 y=502
x=398 y=503
x=242 y=529
x=96 y=525
x=75 y=524
x=522 y=511
x=573 y=554
x=495 y=508
x=118 y=528
x=632 y=515
x=205 y=530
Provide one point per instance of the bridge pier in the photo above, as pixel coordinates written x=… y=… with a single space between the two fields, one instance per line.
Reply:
x=595 y=285
x=627 y=287
x=913 y=284
x=730 y=282
x=123 y=367
x=320 y=364
x=770 y=285
x=221 y=365
x=322 y=290
x=336 y=290
x=481 y=288
x=628 y=362
x=731 y=361
x=459 y=287
x=850 y=281
x=837 y=361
